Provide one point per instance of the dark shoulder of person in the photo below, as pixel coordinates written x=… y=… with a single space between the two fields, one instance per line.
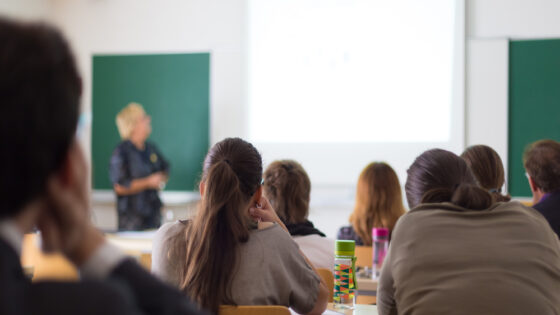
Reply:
x=123 y=147
x=550 y=209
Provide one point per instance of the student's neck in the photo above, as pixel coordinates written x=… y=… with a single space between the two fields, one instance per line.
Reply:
x=537 y=196
x=138 y=142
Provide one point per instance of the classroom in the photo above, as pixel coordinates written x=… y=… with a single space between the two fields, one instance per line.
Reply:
x=332 y=101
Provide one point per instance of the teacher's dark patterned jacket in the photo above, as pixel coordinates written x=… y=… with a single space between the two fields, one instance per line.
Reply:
x=142 y=210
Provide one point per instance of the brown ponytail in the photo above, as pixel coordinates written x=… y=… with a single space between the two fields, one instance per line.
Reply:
x=440 y=176
x=472 y=197
x=232 y=174
x=487 y=168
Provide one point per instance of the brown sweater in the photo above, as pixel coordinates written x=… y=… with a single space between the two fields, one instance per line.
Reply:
x=445 y=259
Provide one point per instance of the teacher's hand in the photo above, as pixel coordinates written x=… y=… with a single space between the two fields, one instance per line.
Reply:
x=156 y=179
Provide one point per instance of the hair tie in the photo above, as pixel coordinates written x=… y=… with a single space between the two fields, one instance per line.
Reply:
x=228 y=162
x=494 y=190
x=287 y=167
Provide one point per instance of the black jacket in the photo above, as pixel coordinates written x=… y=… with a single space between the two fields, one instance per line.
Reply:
x=549 y=207
x=128 y=290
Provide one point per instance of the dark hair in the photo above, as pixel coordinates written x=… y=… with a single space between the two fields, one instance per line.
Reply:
x=287 y=187
x=486 y=166
x=542 y=162
x=232 y=173
x=441 y=176
x=39 y=107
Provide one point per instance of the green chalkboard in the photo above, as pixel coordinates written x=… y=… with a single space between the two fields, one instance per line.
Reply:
x=534 y=102
x=174 y=90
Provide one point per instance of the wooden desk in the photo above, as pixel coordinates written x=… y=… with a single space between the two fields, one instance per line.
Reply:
x=135 y=244
x=45 y=266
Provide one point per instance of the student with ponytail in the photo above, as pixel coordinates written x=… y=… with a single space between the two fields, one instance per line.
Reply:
x=487 y=168
x=457 y=251
x=236 y=251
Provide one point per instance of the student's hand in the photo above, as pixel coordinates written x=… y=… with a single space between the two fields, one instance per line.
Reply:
x=264 y=212
x=64 y=223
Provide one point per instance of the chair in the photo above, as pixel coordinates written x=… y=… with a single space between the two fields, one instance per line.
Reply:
x=328 y=277
x=366 y=299
x=254 y=310
x=146 y=260
x=364 y=256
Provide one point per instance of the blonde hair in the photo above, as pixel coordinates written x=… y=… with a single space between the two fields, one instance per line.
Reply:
x=127 y=118
x=378 y=200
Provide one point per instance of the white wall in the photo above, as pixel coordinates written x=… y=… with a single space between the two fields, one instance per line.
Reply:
x=131 y=26
x=25 y=9
x=513 y=18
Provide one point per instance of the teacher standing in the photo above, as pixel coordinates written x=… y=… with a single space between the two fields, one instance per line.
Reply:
x=138 y=171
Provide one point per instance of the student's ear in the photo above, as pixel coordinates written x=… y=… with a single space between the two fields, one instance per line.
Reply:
x=258 y=194
x=533 y=185
x=201 y=188
x=73 y=171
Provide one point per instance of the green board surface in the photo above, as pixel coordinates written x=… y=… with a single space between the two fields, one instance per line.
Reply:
x=174 y=90
x=534 y=102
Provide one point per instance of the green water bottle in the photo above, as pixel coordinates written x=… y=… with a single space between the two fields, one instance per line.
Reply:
x=344 y=274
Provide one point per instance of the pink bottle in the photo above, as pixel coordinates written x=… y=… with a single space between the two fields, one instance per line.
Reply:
x=380 y=237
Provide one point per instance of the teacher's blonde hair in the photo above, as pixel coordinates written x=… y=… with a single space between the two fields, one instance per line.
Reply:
x=127 y=118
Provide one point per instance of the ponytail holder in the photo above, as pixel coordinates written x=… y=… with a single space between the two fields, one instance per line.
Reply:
x=228 y=162
x=494 y=190
x=287 y=167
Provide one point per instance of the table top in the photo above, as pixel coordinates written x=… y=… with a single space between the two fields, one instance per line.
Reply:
x=359 y=309
x=132 y=241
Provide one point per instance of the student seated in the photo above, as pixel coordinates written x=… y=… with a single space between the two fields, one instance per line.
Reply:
x=378 y=204
x=487 y=168
x=222 y=256
x=459 y=252
x=542 y=164
x=44 y=184
x=287 y=187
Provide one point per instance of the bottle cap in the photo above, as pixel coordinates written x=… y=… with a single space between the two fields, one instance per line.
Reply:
x=344 y=248
x=379 y=232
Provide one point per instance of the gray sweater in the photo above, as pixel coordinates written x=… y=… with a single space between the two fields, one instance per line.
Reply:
x=445 y=259
x=271 y=270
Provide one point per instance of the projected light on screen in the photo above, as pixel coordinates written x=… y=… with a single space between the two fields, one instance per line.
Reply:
x=350 y=71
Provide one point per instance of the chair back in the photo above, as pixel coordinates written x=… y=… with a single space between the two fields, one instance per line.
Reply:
x=253 y=310
x=328 y=278
x=364 y=256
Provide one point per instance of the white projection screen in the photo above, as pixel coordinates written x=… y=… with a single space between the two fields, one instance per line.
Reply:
x=338 y=84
